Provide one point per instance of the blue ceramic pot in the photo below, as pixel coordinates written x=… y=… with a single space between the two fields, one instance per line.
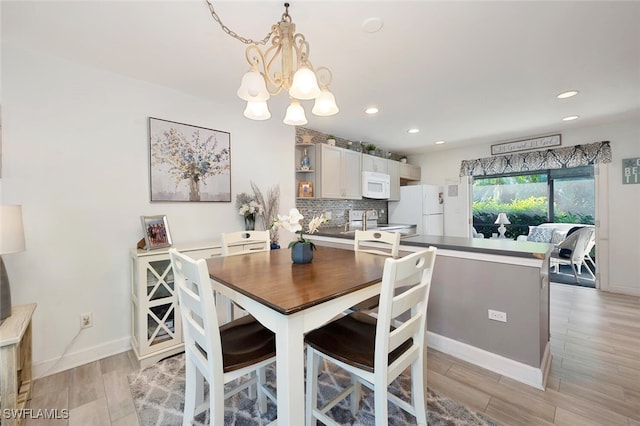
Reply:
x=302 y=253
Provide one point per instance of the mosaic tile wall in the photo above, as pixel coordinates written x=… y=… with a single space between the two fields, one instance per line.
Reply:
x=340 y=208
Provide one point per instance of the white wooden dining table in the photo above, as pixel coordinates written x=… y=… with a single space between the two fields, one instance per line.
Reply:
x=292 y=299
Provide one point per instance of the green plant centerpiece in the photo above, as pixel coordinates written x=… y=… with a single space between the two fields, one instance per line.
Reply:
x=301 y=248
x=371 y=148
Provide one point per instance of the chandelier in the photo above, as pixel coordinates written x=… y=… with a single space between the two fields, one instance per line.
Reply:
x=293 y=72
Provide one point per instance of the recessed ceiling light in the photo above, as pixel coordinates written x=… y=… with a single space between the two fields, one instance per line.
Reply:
x=372 y=25
x=571 y=117
x=412 y=131
x=371 y=110
x=567 y=94
x=439 y=142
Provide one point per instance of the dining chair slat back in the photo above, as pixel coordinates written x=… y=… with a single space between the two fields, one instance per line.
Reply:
x=242 y=242
x=375 y=351
x=217 y=354
x=385 y=243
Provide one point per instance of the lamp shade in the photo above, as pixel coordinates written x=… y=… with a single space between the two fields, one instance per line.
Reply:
x=305 y=84
x=295 y=114
x=257 y=110
x=253 y=87
x=502 y=219
x=325 y=104
x=11 y=229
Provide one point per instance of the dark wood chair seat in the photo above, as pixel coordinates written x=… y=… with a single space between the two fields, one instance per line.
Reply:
x=351 y=339
x=244 y=342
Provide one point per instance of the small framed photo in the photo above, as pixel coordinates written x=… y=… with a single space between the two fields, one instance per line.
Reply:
x=305 y=189
x=156 y=231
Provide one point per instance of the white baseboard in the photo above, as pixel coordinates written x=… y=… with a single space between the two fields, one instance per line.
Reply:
x=622 y=290
x=75 y=359
x=532 y=376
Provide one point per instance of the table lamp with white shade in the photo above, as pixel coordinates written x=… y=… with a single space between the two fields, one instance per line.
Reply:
x=502 y=220
x=11 y=241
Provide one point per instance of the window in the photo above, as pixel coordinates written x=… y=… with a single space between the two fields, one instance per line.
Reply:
x=529 y=199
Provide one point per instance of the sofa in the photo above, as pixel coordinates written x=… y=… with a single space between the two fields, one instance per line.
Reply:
x=552 y=233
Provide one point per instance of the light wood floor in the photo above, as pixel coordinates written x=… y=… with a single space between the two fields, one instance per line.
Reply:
x=594 y=378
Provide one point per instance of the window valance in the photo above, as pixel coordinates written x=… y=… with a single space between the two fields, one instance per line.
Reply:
x=558 y=158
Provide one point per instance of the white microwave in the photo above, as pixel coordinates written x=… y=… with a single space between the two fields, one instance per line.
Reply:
x=375 y=185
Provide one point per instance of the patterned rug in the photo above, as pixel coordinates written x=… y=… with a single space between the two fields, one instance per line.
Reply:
x=158 y=394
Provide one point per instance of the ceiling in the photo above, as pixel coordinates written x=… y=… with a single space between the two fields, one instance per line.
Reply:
x=463 y=72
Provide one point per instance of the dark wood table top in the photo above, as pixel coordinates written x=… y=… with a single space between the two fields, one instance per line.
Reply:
x=274 y=280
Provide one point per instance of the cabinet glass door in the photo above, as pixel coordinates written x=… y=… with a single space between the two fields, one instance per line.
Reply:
x=160 y=323
x=160 y=280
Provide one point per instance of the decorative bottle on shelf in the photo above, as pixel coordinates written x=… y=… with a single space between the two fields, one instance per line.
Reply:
x=305 y=163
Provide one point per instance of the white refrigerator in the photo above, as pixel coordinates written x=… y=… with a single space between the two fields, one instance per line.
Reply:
x=422 y=205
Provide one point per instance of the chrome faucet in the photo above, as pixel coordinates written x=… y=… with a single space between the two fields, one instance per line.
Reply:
x=364 y=218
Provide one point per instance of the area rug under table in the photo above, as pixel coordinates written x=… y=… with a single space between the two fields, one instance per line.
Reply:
x=158 y=395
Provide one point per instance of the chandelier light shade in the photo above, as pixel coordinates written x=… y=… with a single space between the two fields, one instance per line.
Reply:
x=257 y=110
x=295 y=114
x=305 y=84
x=253 y=88
x=284 y=65
x=325 y=104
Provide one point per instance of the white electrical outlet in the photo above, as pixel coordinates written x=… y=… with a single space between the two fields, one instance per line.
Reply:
x=328 y=215
x=86 y=320
x=497 y=315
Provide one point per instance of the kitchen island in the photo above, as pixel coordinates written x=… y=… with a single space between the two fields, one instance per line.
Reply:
x=489 y=301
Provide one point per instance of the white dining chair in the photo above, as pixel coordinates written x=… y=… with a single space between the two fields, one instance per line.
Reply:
x=372 y=350
x=242 y=242
x=384 y=242
x=578 y=243
x=217 y=354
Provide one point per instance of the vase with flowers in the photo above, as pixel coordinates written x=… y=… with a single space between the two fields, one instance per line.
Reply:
x=249 y=208
x=301 y=248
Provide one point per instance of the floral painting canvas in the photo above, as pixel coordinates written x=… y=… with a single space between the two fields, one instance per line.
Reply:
x=188 y=163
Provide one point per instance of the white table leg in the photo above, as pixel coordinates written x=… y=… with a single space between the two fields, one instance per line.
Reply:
x=290 y=371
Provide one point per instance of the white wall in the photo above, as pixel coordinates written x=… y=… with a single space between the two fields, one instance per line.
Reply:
x=619 y=205
x=75 y=156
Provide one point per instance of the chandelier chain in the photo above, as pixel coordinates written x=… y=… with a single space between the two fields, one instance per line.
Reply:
x=239 y=37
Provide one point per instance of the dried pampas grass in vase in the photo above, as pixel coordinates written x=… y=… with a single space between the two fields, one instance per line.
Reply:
x=271 y=204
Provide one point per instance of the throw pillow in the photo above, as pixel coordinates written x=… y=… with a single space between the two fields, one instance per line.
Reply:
x=539 y=234
x=557 y=236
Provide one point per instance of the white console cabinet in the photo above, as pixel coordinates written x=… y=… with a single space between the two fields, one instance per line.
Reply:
x=155 y=316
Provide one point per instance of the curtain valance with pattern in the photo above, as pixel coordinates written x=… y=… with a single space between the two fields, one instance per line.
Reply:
x=558 y=158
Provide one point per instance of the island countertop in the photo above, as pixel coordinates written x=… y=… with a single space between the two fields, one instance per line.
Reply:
x=473 y=277
x=501 y=247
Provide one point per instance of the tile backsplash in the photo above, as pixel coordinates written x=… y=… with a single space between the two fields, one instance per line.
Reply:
x=339 y=209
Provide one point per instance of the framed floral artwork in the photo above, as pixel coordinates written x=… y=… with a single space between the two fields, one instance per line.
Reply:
x=188 y=163
x=156 y=232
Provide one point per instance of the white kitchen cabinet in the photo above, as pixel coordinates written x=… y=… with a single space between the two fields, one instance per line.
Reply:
x=340 y=175
x=155 y=316
x=393 y=169
x=410 y=172
x=371 y=163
